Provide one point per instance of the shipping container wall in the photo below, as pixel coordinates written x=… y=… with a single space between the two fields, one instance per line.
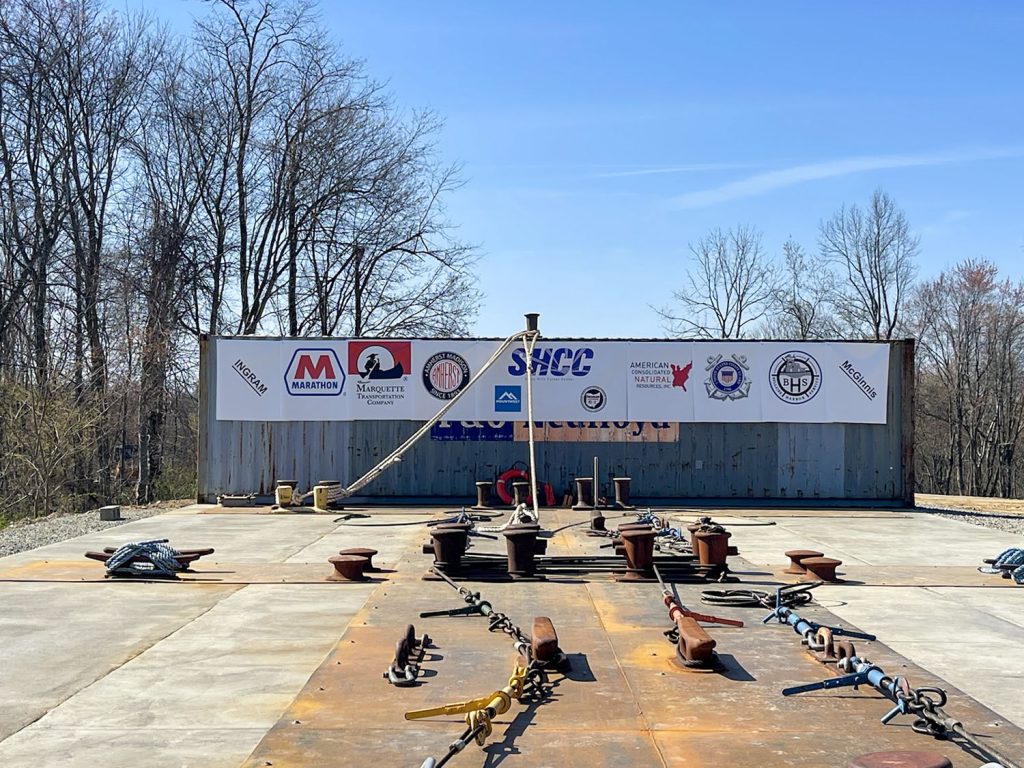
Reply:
x=706 y=462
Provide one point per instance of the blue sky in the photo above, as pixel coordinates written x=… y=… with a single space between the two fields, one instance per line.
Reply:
x=598 y=139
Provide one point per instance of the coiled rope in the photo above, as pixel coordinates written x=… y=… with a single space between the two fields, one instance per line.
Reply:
x=159 y=559
x=1014 y=556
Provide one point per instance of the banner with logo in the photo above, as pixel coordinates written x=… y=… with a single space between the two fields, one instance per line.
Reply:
x=574 y=382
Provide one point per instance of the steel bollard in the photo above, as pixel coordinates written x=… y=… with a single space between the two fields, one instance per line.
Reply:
x=639 y=551
x=584 y=493
x=483 y=495
x=622 y=492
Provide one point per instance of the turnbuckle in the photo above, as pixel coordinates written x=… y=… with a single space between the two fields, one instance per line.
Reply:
x=466 y=610
x=856 y=679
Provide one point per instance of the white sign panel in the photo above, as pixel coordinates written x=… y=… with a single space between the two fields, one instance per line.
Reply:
x=573 y=381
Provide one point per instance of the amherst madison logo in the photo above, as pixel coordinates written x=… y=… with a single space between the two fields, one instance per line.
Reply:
x=314 y=372
x=378 y=360
x=728 y=378
x=795 y=377
x=445 y=375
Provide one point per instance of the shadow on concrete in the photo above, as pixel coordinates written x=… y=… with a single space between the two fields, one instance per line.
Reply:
x=733 y=670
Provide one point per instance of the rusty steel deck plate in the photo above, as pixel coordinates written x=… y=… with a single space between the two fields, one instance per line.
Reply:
x=623 y=703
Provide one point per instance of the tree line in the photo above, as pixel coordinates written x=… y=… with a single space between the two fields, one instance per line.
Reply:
x=246 y=177
x=860 y=282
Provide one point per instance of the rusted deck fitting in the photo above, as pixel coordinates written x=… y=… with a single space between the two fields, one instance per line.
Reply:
x=617 y=542
x=409 y=652
x=622 y=492
x=183 y=558
x=820 y=568
x=796 y=556
x=544 y=644
x=901 y=759
x=639 y=551
x=348 y=568
x=597 y=521
x=522 y=546
x=483 y=495
x=363 y=552
x=520 y=492
x=712 y=547
x=447 y=545
x=635 y=527
x=695 y=648
x=701 y=524
x=584 y=493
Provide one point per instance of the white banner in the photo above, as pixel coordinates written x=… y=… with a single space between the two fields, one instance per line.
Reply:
x=577 y=381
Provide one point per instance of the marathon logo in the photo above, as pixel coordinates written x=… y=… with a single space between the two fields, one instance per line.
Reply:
x=314 y=372
x=858 y=378
x=249 y=377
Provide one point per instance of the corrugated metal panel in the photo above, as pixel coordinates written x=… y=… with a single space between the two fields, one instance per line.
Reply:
x=861 y=462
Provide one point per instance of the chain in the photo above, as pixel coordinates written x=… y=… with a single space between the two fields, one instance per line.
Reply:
x=750 y=598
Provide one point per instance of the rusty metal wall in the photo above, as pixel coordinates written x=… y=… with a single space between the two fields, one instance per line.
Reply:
x=763 y=462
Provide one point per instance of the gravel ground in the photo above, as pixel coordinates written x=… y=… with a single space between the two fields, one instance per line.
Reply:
x=1010 y=523
x=29 y=534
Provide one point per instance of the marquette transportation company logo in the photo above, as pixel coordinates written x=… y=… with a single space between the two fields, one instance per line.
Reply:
x=727 y=379
x=658 y=374
x=858 y=378
x=593 y=399
x=795 y=377
x=554 y=362
x=377 y=360
x=314 y=372
x=250 y=377
x=383 y=368
x=445 y=375
x=508 y=398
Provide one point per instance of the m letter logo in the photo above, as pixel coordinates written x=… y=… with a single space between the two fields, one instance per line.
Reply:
x=314 y=372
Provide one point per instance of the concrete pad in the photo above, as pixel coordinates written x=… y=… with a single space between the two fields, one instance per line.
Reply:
x=58 y=640
x=907 y=540
x=240 y=663
x=153 y=748
x=1007 y=605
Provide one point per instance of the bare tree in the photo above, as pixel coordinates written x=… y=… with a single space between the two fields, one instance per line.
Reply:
x=970 y=327
x=729 y=288
x=249 y=177
x=873 y=250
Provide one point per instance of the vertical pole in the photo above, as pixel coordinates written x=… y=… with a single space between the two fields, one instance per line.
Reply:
x=907 y=417
x=207 y=361
x=594 y=491
x=529 y=341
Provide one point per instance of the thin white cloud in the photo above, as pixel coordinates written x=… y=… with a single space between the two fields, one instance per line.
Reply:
x=762 y=183
x=692 y=168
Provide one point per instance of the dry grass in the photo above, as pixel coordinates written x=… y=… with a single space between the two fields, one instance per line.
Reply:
x=973 y=503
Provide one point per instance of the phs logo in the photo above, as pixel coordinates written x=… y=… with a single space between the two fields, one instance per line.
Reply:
x=553 y=361
x=314 y=373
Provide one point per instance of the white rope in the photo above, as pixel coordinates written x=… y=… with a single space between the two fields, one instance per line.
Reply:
x=529 y=342
x=520 y=516
x=337 y=492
